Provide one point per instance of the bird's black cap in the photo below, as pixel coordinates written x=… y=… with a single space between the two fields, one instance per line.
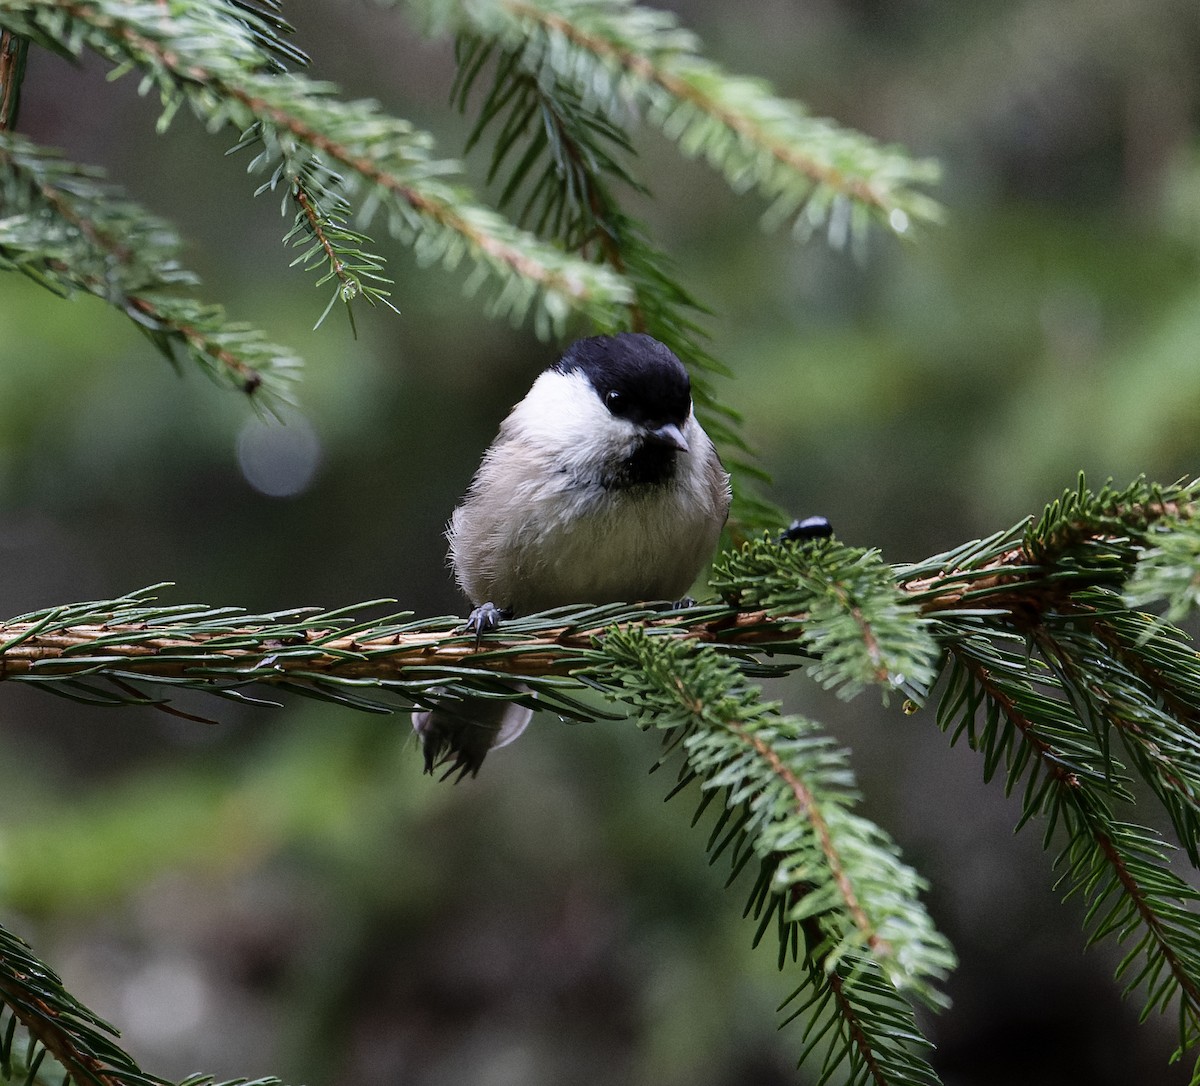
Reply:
x=650 y=383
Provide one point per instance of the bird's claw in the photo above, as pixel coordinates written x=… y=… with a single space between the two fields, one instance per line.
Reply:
x=484 y=619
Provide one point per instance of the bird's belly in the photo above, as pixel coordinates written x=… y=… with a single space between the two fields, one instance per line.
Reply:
x=638 y=550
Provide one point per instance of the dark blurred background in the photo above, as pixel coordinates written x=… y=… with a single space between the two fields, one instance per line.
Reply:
x=284 y=892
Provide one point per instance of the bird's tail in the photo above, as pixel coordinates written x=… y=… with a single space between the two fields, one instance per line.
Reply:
x=459 y=732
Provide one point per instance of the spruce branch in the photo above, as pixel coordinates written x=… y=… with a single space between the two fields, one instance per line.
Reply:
x=198 y=55
x=831 y=880
x=46 y=1035
x=40 y=1018
x=1067 y=693
x=858 y=626
x=863 y=1027
x=1047 y=666
x=566 y=79
x=813 y=601
x=67 y=228
x=329 y=242
x=223 y=648
x=1119 y=869
x=1083 y=538
x=622 y=56
x=1106 y=656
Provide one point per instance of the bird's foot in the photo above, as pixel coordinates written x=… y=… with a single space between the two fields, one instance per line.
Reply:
x=484 y=619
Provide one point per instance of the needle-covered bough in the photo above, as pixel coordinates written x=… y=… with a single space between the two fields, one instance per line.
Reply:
x=1034 y=644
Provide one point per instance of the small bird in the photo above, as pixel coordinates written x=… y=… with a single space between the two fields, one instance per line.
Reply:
x=601 y=487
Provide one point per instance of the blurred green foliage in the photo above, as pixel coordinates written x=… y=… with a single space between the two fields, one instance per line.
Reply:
x=341 y=919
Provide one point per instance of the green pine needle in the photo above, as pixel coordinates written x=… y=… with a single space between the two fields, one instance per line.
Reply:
x=858 y=626
x=40 y=1020
x=831 y=883
x=211 y=60
x=619 y=55
x=65 y=227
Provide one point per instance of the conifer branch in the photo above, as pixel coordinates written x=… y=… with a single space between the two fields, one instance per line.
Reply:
x=215 y=63
x=618 y=54
x=330 y=243
x=54 y=1023
x=1023 y=567
x=846 y=608
x=1118 y=868
x=67 y=228
x=1102 y=656
x=854 y=1013
x=1044 y=664
x=867 y=622
x=132 y=636
x=831 y=880
x=752 y=123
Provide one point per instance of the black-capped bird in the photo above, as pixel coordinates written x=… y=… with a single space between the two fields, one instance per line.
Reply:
x=601 y=487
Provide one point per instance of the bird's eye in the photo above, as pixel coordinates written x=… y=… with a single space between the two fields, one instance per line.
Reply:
x=614 y=401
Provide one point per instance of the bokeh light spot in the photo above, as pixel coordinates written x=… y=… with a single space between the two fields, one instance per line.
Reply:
x=279 y=460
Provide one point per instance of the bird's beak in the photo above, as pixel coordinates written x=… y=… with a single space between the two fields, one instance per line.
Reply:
x=669 y=435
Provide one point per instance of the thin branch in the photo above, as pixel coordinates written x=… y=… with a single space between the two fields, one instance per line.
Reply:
x=1153 y=922
x=205 y=343
x=255 y=652
x=1068 y=782
x=71 y=230
x=82 y=1044
x=1066 y=778
x=41 y=1022
x=850 y=1014
x=13 y=51
x=1021 y=572
x=316 y=225
x=642 y=66
x=551 y=648
x=807 y=807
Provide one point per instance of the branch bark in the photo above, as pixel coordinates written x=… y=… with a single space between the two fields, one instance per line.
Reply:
x=1014 y=579
x=256 y=653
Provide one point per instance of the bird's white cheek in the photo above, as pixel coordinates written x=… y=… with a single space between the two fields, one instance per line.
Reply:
x=557 y=407
x=563 y=420
x=606 y=442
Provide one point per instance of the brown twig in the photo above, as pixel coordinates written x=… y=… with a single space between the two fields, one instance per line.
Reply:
x=44 y=1022
x=1008 y=580
x=12 y=68
x=387 y=657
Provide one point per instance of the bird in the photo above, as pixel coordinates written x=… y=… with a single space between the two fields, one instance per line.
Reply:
x=601 y=487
